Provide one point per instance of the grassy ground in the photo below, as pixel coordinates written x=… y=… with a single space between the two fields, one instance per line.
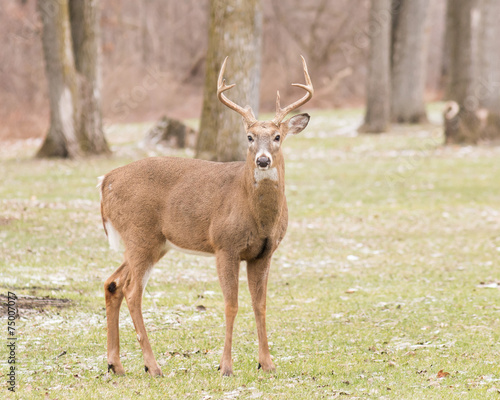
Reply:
x=388 y=275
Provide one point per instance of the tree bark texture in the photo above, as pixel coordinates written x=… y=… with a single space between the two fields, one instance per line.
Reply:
x=85 y=32
x=462 y=54
x=450 y=49
x=461 y=126
x=378 y=91
x=61 y=139
x=71 y=50
x=409 y=62
x=235 y=30
x=466 y=128
x=487 y=88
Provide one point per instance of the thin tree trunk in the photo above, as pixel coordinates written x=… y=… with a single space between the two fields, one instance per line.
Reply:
x=409 y=63
x=378 y=91
x=145 y=32
x=395 y=15
x=463 y=52
x=85 y=30
x=488 y=85
x=61 y=139
x=450 y=49
x=235 y=30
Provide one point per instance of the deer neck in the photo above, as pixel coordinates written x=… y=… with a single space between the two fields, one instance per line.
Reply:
x=266 y=194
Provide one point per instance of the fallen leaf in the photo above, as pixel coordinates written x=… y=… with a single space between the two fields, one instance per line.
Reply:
x=442 y=374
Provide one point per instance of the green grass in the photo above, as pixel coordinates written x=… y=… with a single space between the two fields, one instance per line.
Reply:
x=381 y=282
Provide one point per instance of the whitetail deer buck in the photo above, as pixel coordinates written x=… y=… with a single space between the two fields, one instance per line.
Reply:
x=235 y=211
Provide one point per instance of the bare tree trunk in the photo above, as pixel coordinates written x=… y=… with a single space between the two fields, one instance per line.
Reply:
x=61 y=139
x=450 y=49
x=466 y=128
x=488 y=85
x=409 y=62
x=378 y=91
x=395 y=15
x=463 y=52
x=84 y=19
x=146 y=37
x=236 y=31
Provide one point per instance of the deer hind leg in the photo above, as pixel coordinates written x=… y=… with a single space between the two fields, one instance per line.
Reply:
x=228 y=271
x=258 y=272
x=114 y=296
x=133 y=291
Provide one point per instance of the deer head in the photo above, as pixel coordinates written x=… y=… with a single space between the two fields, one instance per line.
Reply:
x=265 y=137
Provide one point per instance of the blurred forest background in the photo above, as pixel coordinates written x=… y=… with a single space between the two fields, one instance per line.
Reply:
x=168 y=39
x=153 y=57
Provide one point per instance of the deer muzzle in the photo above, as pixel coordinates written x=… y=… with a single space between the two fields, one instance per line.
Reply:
x=263 y=162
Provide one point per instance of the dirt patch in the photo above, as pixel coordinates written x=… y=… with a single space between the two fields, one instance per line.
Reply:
x=6 y=220
x=25 y=304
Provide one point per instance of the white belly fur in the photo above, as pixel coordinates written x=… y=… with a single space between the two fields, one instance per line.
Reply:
x=169 y=245
x=115 y=243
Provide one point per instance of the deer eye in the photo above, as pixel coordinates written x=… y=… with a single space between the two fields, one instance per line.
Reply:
x=250 y=139
x=277 y=138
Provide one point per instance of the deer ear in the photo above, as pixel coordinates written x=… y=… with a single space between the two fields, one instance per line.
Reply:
x=296 y=124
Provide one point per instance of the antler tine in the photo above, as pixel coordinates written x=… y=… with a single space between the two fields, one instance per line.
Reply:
x=308 y=87
x=278 y=106
x=246 y=112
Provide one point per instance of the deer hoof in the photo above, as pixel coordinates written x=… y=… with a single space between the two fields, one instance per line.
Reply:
x=225 y=370
x=267 y=367
x=117 y=369
x=154 y=371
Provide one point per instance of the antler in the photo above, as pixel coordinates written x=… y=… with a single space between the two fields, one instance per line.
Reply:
x=308 y=87
x=246 y=112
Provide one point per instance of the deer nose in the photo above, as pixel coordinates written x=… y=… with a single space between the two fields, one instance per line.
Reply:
x=263 y=161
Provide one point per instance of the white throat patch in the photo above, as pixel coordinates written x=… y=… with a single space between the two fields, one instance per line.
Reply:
x=260 y=174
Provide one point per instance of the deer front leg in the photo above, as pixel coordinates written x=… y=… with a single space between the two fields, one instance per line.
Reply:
x=114 y=297
x=133 y=291
x=228 y=268
x=258 y=272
